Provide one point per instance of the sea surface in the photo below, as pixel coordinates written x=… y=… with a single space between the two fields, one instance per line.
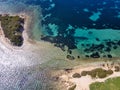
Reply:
x=92 y=27
x=81 y=28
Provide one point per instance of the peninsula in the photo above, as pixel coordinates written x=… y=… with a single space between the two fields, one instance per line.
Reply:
x=12 y=27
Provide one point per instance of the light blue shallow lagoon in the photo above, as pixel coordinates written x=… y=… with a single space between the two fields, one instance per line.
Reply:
x=88 y=28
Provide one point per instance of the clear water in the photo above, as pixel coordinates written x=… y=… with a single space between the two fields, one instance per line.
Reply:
x=72 y=23
x=89 y=26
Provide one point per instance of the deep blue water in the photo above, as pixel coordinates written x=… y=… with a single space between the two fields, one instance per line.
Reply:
x=77 y=24
x=92 y=27
x=72 y=12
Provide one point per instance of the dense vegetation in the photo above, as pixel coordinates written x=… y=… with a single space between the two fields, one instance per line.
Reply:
x=97 y=73
x=13 y=27
x=76 y=75
x=110 y=84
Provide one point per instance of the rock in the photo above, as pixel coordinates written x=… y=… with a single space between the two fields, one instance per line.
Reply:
x=107 y=49
x=109 y=44
x=69 y=51
x=82 y=45
x=90 y=32
x=78 y=56
x=68 y=70
x=95 y=55
x=109 y=56
x=104 y=55
x=97 y=39
x=118 y=43
x=87 y=56
x=87 y=45
x=70 y=57
x=86 y=50
x=56 y=78
x=114 y=47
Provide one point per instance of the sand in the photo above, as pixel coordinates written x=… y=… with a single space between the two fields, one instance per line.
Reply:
x=20 y=67
x=83 y=82
x=30 y=52
x=35 y=53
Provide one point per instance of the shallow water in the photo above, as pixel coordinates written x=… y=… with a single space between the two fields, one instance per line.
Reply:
x=72 y=23
x=84 y=27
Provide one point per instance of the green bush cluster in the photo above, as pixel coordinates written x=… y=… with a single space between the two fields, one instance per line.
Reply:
x=76 y=75
x=84 y=73
x=98 y=72
x=12 y=28
x=109 y=84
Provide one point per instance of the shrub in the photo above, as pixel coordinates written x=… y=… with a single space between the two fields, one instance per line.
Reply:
x=76 y=75
x=109 y=72
x=92 y=74
x=84 y=73
x=102 y=74
x=98 y=72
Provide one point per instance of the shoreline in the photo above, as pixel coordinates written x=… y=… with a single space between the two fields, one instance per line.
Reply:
x=26 y=39
x=30 y=47
x=83 y=82
x=32 y=55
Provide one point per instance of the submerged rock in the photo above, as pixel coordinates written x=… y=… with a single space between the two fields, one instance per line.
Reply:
x=87 y=56
x=107 y=49
x=90 y=32
x=114 y=47
x=109 y=56
x=95 y=55
x=97 y=39
x=109 y=44
x=70 y=57
x=118 y=43
x=70 y=51
x=78 y=56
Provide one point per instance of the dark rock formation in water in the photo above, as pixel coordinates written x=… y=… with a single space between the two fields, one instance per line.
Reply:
x=70 y=57
x=118 y=43
x=95 y=55
x=109 y=56
x=115 y=47
x=107 y=49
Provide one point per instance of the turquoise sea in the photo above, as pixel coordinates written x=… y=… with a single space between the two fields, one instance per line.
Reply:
x=90 y=27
